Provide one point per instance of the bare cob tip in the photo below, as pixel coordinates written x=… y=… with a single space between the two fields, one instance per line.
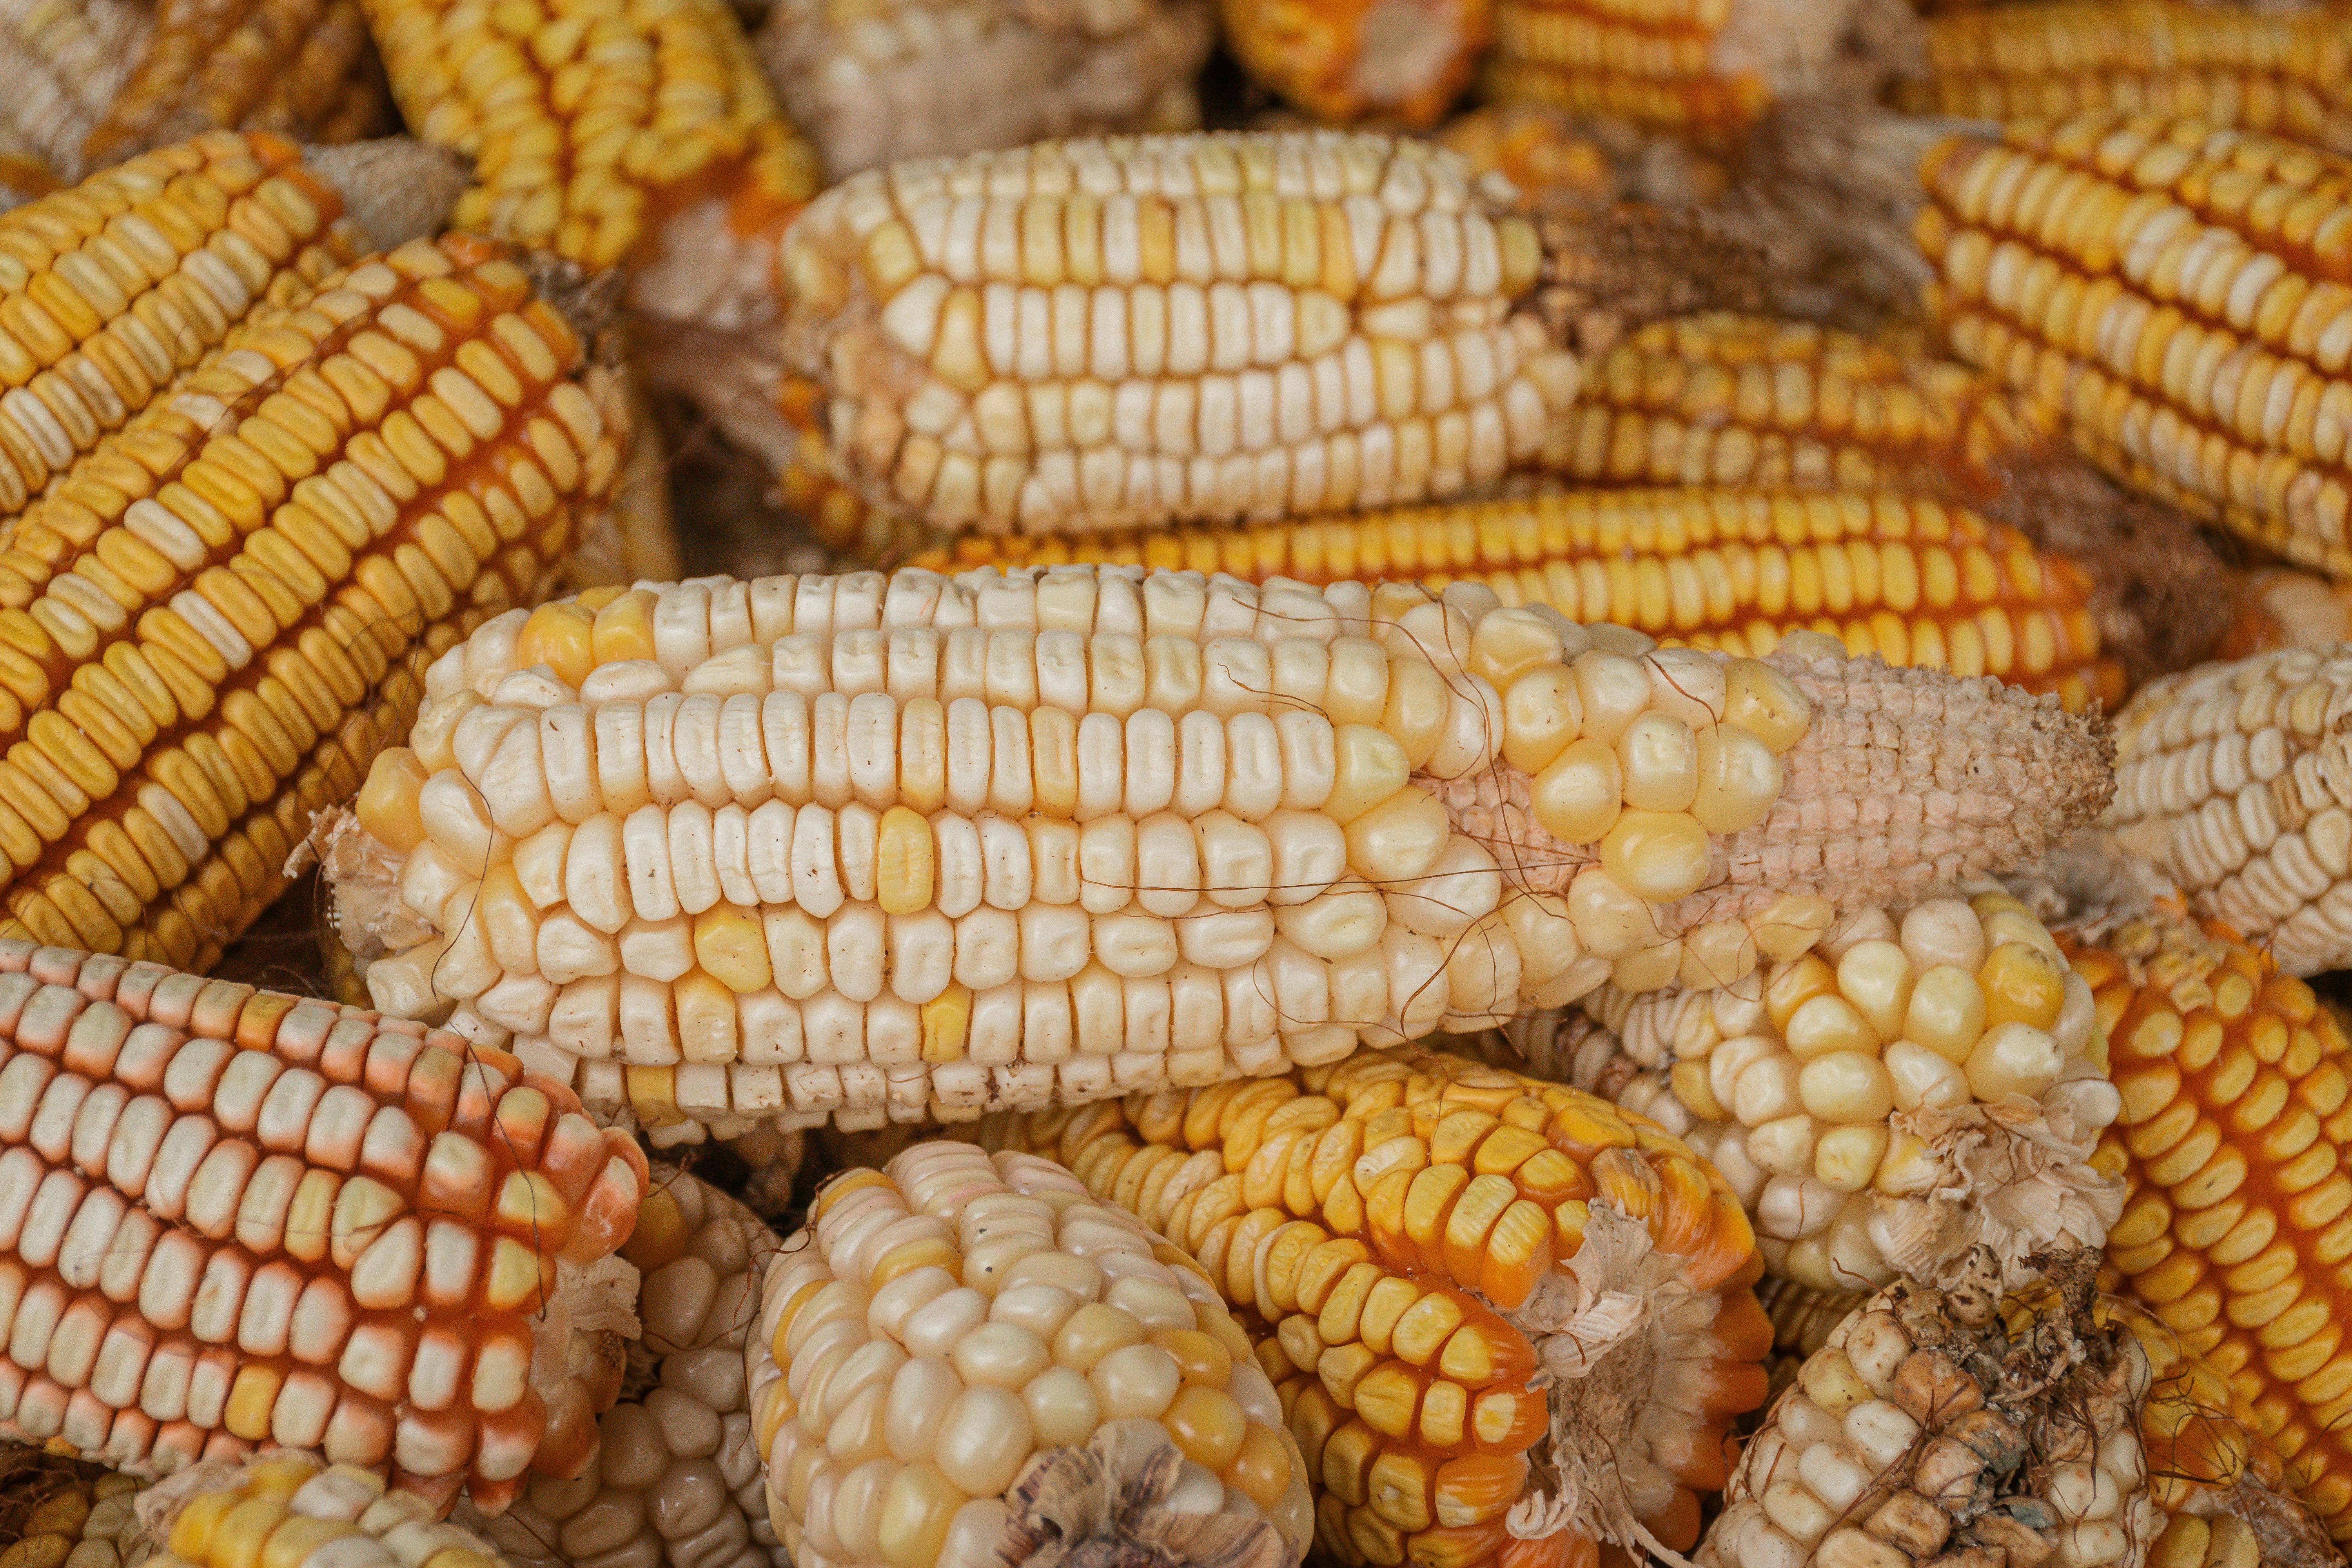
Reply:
x=396 y=188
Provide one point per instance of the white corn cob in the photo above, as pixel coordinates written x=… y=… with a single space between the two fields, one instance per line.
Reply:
x=920 y=845
x=292 y=1508
x=967 y=1363
x=1924 y=1434
x=676 y=1482
x=2236 y=781
x=1925 y=1082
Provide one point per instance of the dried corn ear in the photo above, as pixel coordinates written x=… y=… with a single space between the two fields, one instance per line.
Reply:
x=1706 y=68
x=1926 y=1433
x=677 y=1479
x=2284 y=72
x=1803 y=1318
x=297 y=1510
x=965 y=1363
x=214 y=622
x=68 y=1511
x=1926 y=1081
x=1917 y=582
x=1550 y=155
x=1507 y=1322
x=233 y=1217
x=61 y=63
x=925 y=79
x=2276 y=607
x=1402 y=61
x=2169 y=291
x=592 y=127
x=2229 y=780
x=1091 y=334
x=916 y=846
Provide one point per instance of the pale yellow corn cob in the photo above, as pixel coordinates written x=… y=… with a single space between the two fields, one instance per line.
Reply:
x=874 y=84
x=2285 y=72
x=2229 y=779
x=1925 y=1432
x=61 y=63
x=1926 y=1081
x=677 y=1479
x=2276 y=607
x=1093 y=334
x=2171 y=292
x=230 y=1218
x=913 y=845
x=67 y=1510
x=966 y=1362
x=1581 y=1395
x=290 y=1508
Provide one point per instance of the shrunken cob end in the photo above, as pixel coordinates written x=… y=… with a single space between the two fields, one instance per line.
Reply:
x=916 y=846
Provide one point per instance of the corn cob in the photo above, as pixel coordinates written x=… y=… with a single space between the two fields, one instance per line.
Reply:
x=921 y=78
x=1421 y=1408
x=1706 y=68
x=2227 y=779
x=239 y=1265
x=2187 y=332
x=2284 y=73
x=1551 y=155
x=61 y=63
x=590 y=127
x=2276 y=607
x=1926 y=1081
x=1340 y=61
x=1102 y=832
x=965 y=1363
x=60 y=1510
x=291 y=1508
x=1092 y=334
x=676 y=1481
x=1924 y=1432
x=162 y=774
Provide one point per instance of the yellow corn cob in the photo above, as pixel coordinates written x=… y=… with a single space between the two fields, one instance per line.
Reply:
x=1340 y=61
x=2280 y=72
x=2169 y=291
x=965 y=1363
x=1926 y=1431
x=216 y=618
x=2226 y=780
x=593 y=127
x=1172 y=329
x=2274 y=607
x=283 y=1221
x=677 y=1477
x=293 y=1508
x=1703 y=68
x=2231 y=1143
x=914 y=845
x=62 y=1509
x=873 y=84
x=1350 y=1212
x=62 y=64
x=1926 y=1081
x=1549 y=154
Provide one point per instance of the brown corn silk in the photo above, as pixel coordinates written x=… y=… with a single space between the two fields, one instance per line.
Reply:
x=2175 y=294
x=239 y=1218
x=1420 y=1245
x=217 y=617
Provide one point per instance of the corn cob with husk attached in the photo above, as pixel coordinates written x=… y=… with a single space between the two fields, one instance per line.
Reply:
x=2277 y=607
x=2171 y=292
x=218 y=616
x=963 y=1361
x=1926 y=1083
x=1582 y=1395
x=916 y=846
x=921 y=78
x=1400 y=61
x=2282 y=72
x=1095 y=334
x=677 y=1479
x=291 y=1508
x=2231 y=1143
x=237 y=1218
x=1927 y=1432
x=2229 y=780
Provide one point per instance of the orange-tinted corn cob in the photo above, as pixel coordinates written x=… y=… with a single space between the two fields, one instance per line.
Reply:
x=1350 y=1212
x=213 y=622
x=1339 y=60
x=1916 y=581
x=2285 y=72
x=233 y=1217
x=2274 y=607
x=875 y=83
x=592 y=127
x=2175 y=293
x=2232 y=1145
x=1544 y=151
